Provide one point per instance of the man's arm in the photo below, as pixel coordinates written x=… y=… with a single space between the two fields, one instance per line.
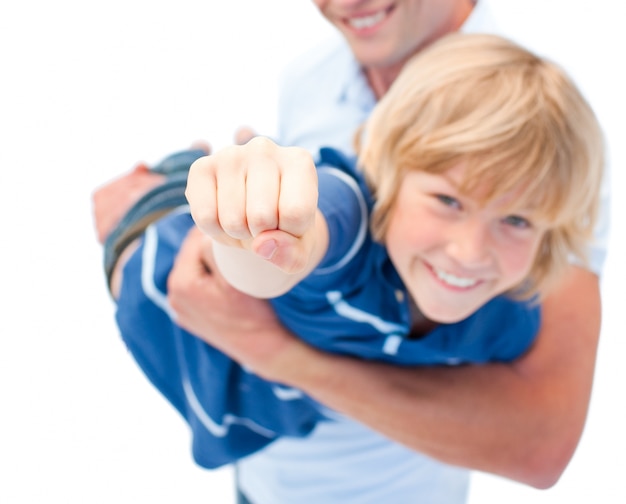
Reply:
x=521 y=420
x=112 y=200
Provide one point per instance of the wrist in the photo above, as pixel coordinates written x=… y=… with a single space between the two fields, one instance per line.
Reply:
x=295 y=364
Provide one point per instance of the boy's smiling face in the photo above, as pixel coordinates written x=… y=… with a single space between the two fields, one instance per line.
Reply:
x=453 y=252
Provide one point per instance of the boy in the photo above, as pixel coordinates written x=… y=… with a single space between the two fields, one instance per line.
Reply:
x=484 y=163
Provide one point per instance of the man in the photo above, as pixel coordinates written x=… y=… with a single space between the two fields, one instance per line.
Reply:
x=522 y=421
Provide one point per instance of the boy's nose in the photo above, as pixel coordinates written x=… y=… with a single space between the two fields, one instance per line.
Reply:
x=469 y=245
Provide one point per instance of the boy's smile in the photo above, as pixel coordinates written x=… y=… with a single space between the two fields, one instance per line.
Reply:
x=454 y=253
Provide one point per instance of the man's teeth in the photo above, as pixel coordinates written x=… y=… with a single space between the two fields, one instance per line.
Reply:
x=453 y=280
x=367 y=22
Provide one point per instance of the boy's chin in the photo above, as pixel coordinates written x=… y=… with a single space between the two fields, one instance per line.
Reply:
x=445 y=314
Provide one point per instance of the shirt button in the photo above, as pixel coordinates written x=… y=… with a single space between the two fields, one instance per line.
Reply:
x=399 y=296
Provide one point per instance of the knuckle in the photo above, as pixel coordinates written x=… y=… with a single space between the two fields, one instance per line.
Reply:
x=298 y=264
x=261 y=221
x=234 y=226
x=205 y=219
x=188 y=193
x=261 y=216
x=297 y=216
x=292 y=263
x=200 y=165
x=262 y=144
x=300 y=157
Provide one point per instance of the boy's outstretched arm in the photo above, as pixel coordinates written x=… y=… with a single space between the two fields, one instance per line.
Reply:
x=521 y=420
x=258 y=203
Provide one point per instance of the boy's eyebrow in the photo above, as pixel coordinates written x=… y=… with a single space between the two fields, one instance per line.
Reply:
x=446 y=178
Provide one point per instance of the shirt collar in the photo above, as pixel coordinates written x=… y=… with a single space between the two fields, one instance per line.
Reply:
x=354 y=88
x=480 y=19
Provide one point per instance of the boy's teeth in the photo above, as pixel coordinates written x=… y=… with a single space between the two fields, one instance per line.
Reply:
x=367 y=22
x=455 y=281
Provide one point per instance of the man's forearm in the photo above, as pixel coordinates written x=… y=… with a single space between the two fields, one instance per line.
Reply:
x=521 y=420
x=486 y=418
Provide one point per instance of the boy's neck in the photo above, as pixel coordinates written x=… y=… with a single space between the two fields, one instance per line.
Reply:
x=420 y=325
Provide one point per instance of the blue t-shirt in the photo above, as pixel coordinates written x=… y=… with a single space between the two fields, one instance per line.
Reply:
x=360 y=306
x=353 y=303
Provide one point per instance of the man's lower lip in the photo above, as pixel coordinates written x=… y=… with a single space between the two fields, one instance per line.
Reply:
x=368 y=30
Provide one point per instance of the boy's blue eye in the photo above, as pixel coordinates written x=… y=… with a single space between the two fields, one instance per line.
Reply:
x=517 y=222
x=448 y=200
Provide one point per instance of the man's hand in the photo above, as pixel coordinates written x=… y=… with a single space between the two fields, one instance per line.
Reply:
x=258 y=197
x=112 y=200
x=241 y=326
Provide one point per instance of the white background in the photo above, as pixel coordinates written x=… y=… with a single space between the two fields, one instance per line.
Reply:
x=89 y=88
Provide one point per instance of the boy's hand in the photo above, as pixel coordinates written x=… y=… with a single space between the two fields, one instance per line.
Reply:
x=258 y=197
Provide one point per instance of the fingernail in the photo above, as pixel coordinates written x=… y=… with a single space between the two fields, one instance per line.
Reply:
x=267 y=249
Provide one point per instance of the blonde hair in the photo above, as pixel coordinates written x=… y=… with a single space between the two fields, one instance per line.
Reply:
x=514 y=119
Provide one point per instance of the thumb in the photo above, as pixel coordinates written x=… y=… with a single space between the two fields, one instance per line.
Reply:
x=289 y=253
